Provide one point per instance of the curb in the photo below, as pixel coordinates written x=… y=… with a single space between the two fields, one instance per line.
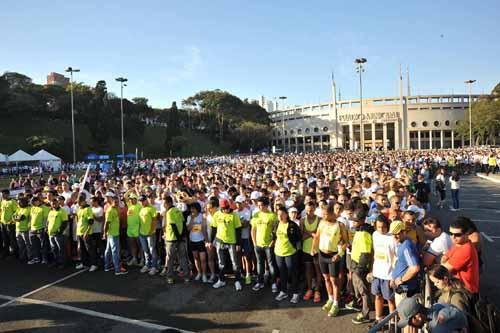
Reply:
x=491 y=179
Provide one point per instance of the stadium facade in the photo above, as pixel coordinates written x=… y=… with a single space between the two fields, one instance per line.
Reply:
x=390 y=123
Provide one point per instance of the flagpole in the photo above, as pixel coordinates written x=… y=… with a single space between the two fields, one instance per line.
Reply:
x=334 y=93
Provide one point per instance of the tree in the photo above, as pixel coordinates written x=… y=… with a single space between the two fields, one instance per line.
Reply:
x=485 y=119
x=98 y=117
x=252 y=136
x=143 y=101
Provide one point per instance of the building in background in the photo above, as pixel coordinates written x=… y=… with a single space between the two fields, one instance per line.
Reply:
x=57 y=79
x=268 y=105
x=389 y=123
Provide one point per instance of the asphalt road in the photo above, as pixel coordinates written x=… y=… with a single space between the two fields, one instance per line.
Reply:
x=101 y=302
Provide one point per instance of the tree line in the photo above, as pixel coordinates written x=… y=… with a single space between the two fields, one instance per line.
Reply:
x=220 y=115
x=485 y=119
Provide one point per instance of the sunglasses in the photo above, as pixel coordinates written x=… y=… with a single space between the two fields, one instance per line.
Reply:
x=458 y=234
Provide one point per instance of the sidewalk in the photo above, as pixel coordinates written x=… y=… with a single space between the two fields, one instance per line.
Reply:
x=492 y=177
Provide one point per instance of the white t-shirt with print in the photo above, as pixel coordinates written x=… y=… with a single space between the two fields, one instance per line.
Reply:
x=384 y=253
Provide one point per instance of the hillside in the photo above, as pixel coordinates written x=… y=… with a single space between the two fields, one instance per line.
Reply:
x=15 y=130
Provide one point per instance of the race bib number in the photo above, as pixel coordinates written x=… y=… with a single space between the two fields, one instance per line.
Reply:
x=196 y=228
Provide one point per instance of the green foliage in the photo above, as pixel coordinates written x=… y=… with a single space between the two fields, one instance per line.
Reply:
x=485 y=119
x=39 y=117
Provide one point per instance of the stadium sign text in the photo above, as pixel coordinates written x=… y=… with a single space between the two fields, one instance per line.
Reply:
x=374 y=116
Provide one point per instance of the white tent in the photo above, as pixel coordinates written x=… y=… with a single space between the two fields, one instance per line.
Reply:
x=48 y=161
x=21 y=156
x=3 y=158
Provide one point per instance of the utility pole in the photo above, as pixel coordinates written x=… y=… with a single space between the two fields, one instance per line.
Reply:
x=72 y=70
x=359 y=63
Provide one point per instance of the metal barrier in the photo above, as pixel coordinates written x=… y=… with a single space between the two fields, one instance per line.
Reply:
x=387 y=321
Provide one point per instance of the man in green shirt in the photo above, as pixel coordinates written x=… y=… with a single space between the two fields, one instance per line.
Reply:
x=38 y=233
x=226 y=229
x=56 y=224
x=175 y=244
x=147 y=235
x=263 y=225
x=87 y=244
x=8 y=244
x=112 y=232
x=22 y=220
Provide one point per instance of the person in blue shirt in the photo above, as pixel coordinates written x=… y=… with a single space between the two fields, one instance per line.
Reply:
x=406 y=270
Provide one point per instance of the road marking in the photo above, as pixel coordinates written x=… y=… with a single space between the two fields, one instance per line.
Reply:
x=45 y=287
x=92 y=313
x=486 y=221
x=488 y=238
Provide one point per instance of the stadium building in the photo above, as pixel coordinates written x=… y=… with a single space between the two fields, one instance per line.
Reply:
x=389 y=123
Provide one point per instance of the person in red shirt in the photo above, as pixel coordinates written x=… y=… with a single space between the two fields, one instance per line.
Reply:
x=462 y=260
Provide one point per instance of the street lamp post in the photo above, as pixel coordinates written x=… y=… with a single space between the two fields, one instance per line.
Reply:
x=122 y=81
x=283 y=98
x=359 y=63
x=469 y=83
x=72 y=70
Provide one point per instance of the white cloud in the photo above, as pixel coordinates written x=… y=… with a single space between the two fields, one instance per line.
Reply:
x=186 y=65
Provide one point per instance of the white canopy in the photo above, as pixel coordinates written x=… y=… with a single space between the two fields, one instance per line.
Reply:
x=3 y=158
x=43 y=155
x=21 y=156
x=48 y=161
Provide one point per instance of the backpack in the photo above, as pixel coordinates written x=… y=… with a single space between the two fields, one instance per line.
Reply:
x=487 y=315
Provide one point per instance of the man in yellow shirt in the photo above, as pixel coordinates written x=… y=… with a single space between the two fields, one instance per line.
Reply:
x=22 y=220
x=226 y=229
x=56 y=224
x=147 y=235
x=38 y=232
x=8 y=207
x=175 y=245
x=263 y=223
x=492 y=164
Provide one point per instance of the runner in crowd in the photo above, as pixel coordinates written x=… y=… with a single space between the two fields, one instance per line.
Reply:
x=252 y=208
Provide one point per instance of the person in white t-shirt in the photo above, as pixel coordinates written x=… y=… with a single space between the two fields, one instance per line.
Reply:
x=197 y=236
x=246 y=244
x=384 y=250
x=439 y=242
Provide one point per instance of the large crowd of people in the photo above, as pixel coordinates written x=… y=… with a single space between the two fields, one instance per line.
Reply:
x=345 y=230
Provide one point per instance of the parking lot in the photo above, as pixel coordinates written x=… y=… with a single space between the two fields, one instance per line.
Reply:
x=38 y=299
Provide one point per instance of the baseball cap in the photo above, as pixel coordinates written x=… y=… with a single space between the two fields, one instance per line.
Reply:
x=293 y=209
x=396 y=227
x=240 y=199
x=255 y=195
x=407 y=308
x=224 y=203
x=133 y=196
x=110 y=194
x=143 y=198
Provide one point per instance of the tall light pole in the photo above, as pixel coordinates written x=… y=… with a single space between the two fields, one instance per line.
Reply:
x=359 y=63
x=469 y=83
x=122 y=81
x=283 y=98
x=72 y=70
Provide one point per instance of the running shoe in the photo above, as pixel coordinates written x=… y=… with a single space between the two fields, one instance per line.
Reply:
x=122 y=271
x=295 y=299
x=274 y=288
x=219 y=284
x=237 y=286
x=360 y=319
x=334 y=311
x=248 y=280
x=144 y=269
x=317 y=297
x=153 y=271
x=281 y=296
x=327 y=306
x=308 y=295
x=170 y=281
x=93 y=268
x=258 y=286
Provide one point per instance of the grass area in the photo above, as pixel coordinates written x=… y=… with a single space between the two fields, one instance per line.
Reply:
x=14 y=132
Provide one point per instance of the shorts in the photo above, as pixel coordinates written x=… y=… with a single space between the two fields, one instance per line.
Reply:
x=382 y=287
x=133 y=230
x=198 y=246
x=327 y=266
x=307 y=258
x=398 y=297
x=246 y=246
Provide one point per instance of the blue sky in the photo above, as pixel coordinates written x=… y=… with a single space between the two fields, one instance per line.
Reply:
x=171 y=49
